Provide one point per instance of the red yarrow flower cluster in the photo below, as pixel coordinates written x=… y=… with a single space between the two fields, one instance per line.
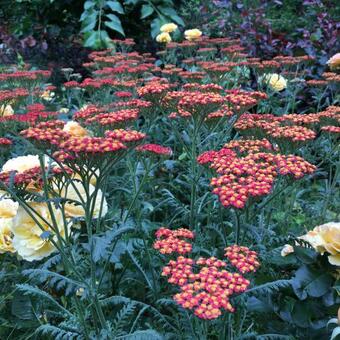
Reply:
x=125 y=136
x=155 y=149
x=205 y=284
x=244 y=259
x=5 y=141
x=252 y=172
x=207 y=291
x=173 y=241
x=114 y=118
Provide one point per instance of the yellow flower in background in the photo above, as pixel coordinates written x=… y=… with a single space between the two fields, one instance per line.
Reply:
x=193 y=34
x=169 y=28
x=93 y=177
x=21 y=163
x=326 y=238
x=75 y=208
x=275 y=81
x=6 y=110
x=163 y=38
x=6 y=235
x=8 y=210
x=75 y=129
x=47 y=95
x=31 y=241
x=64 y=110
x=334 y=62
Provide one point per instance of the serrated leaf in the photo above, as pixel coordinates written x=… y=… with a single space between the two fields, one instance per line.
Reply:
x=22 y=307
x=115 y=6
x=146 y=11
x=102 y=243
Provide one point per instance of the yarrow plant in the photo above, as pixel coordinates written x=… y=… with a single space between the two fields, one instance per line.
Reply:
x=203 y=136
x=205 y=284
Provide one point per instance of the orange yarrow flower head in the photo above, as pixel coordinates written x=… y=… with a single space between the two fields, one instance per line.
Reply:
x=173 y=241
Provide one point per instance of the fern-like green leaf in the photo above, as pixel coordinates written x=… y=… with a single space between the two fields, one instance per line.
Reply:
x=36 y=292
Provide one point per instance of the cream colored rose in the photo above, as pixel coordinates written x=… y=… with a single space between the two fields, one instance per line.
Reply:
x=93 y=177
x=326 y=238
x=286 y=250
x=275 y=81
x=29 y=239
x=76 y=208
x=6 y=110
x=163 y=37
x=193 y=34
x=169 y=28
x=21 y=163
x=8 y=208
x=330 y=235
x=6 y=235
x=334 y=62
x=313 y=238
x=75 y=129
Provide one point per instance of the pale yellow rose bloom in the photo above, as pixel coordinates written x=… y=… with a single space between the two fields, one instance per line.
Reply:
x=313 y=238
x=8 y=208
x=93 y=177
x=6 y=110
x=275 y=81
x=6 y=235
x=169 y=28
x=286 y=250
x=326 y=238
x=75 y=129
x=330 y=234
x=28 y=240
x=76 y=209
x=21 y=163
x=334 y=62
x=192 y=34
x=163 y=37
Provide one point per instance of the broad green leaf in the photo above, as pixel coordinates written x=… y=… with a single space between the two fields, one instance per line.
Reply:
x=155 y=27
x=92 y=40
x=88 y=27
x=177 y=19
x=146 y=11
x=115 y=6
x=335 y=333
x=168 y=11
x=89 y=4
x=114 y=24
x=309 y=282
x=131 y=2
x=305 y=255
